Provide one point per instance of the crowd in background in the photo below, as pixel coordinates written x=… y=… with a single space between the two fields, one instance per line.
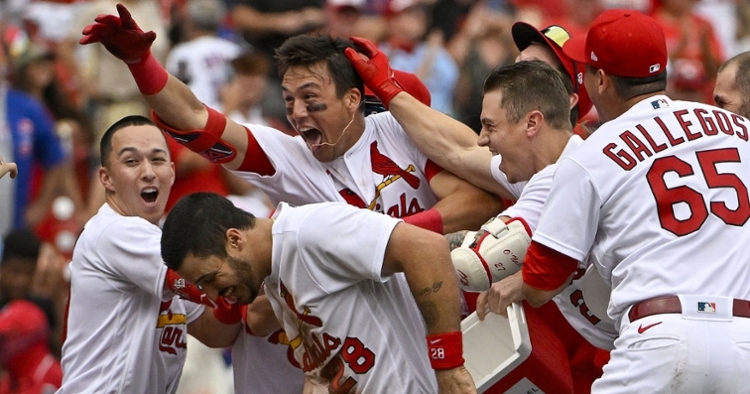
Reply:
x=57 y=97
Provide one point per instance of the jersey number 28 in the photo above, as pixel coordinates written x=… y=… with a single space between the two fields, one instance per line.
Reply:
x=666 y=197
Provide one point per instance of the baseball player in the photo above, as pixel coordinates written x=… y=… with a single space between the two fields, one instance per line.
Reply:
x=661 y=208
x=126 y=330
x=339 y=155
x=355 y=308
x=530 y=139
x=732 y=90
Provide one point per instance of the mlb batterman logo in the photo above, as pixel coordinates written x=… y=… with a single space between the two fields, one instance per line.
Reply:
x=707 y=307
x=660 y=103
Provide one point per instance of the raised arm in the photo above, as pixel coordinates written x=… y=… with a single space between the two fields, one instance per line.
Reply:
x=178 y=111
x=424 y=259
x=446 y=141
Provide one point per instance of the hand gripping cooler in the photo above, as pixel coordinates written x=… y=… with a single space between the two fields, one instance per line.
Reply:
x=517 y=355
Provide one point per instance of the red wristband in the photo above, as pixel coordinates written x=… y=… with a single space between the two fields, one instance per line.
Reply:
x=446 y=350
x=428 y=220
x=206 y=142
x=149 y=75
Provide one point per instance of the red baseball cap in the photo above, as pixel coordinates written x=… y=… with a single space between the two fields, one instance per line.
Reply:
x=22 y=325
x=625 y=43
x=554 y=37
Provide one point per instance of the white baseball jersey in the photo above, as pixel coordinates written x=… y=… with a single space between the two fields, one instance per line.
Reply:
x=384 y=171
x=570 y=302
x=203 y=64
x=661 y=203
x=276 y=371
x=348 y=324
x=125 y=333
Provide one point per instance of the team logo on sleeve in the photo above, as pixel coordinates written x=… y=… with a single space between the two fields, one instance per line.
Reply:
x=173 y=335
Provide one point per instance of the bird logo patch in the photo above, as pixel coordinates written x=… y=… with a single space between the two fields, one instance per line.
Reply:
x=707 y=307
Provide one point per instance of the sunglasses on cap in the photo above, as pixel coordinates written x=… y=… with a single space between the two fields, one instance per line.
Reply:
x=558 y=35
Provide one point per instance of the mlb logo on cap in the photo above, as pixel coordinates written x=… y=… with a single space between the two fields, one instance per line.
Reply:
x=707 y=307
x=624 y=43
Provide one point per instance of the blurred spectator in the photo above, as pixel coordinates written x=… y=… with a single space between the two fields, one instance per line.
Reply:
x=732 y=90
x=27 y=137
x=483 y=43
x=577 y=17
x=742 y=34
x=409 y=50
x=242 y=94
x=24 y=354
x=266 y=24
x=694 y=50
x=202 y=61
x=34 y=74
x=722 y=14
x=342 y=17
x=18 y=268
x=107 y=80
x=643 y=6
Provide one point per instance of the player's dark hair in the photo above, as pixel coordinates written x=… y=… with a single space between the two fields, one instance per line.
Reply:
x=532 y=85
x=22 y=245
x=567 y=79
x=105 y=145
x=741 y=78
x=197 y=225
x=309 y=50
x=628 y=87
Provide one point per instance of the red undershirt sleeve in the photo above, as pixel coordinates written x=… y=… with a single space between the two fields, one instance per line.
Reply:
x=545 y=268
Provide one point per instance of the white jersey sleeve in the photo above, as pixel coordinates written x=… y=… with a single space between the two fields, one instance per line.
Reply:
x=532 y=198
x=346 y=260
x=130 y=251
x=571 y=183
x=298 y=178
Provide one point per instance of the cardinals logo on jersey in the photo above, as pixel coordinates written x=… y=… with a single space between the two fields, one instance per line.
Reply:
x=173 y=329
x=391 y=172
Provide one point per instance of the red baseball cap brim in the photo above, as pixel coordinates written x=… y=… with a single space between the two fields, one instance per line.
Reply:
x=575 y=48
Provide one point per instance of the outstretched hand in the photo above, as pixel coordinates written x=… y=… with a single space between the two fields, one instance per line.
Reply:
x=372 y=65
x=5 y=168
x=120 y=35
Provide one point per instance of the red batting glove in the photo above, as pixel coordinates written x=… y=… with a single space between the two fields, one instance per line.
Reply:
x=187 y=291
x=229 y=313
x=376 y=72
x=120 y=35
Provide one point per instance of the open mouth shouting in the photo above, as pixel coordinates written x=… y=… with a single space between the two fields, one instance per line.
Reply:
x=150 y=194
x=312 y=136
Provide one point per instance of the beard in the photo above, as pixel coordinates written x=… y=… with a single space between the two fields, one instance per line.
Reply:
x=246 y=278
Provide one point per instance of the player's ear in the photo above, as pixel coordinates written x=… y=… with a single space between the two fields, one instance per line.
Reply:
x=534 y=120
x=105 y=179
x=353 y=98
x=234 y=239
